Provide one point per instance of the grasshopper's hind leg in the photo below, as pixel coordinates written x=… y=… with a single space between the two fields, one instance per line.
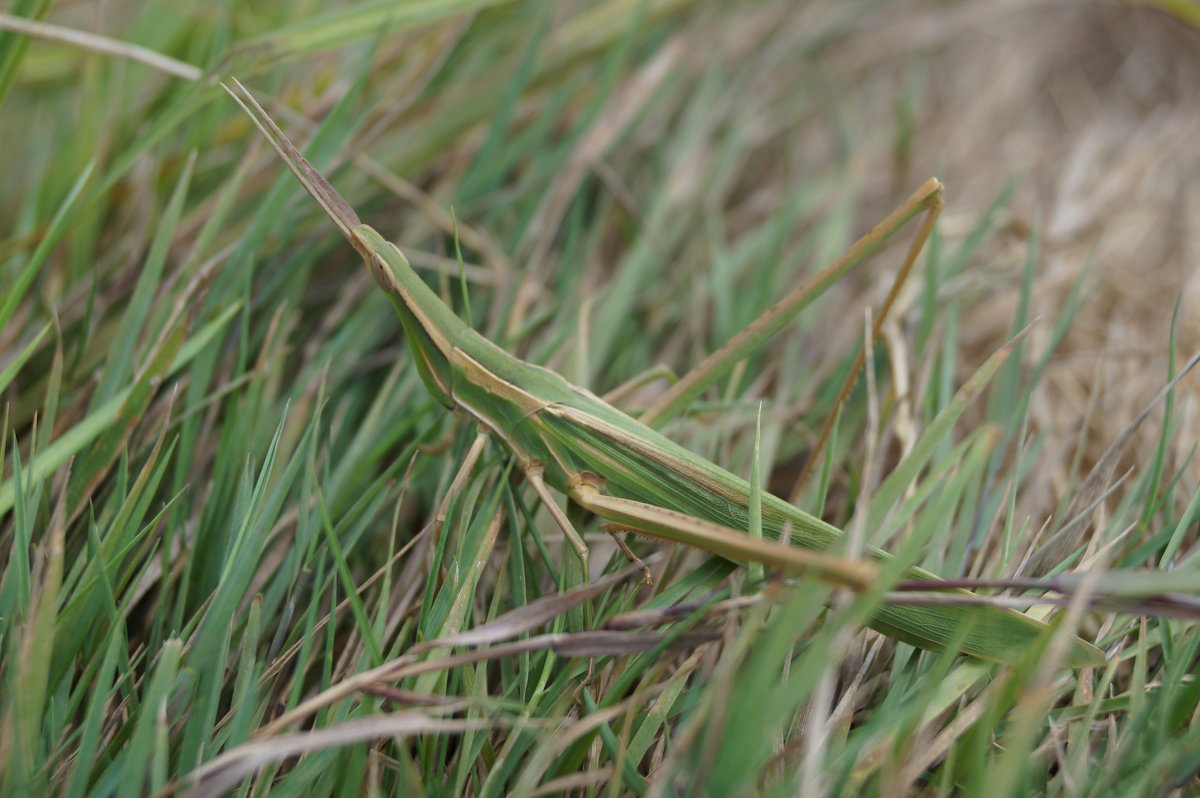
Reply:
x=674 y=526
x=534 y=474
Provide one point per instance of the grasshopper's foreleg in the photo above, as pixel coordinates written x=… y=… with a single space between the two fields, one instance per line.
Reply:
x=677 y=527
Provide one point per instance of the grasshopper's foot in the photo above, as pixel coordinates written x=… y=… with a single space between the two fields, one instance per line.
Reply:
x=615 y=530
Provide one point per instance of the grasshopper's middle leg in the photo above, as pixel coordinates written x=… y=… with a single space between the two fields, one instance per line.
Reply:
x=533 y=472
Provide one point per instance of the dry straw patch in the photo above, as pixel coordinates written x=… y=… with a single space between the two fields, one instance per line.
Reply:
x=1093 y=106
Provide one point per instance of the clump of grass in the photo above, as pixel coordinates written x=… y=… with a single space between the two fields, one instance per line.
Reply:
x=233 y=519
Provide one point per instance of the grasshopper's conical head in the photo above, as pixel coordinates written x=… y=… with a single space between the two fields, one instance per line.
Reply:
x=431 y=326
x=333 y=203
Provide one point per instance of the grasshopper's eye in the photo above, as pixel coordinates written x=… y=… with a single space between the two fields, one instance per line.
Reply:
x=382 y=273
x=592 y=478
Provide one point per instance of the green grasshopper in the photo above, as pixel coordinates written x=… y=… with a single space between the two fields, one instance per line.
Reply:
x=615 y=466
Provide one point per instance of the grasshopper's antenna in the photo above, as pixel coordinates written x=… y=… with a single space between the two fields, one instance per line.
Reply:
x=333 y=203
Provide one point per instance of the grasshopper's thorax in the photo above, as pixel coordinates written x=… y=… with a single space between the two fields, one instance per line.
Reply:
x=430 y=326
x=507 y=395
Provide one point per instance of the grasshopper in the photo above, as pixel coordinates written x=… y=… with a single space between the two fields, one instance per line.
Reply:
x=566 y=438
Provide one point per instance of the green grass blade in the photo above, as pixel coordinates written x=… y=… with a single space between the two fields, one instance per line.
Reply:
x=98 y=421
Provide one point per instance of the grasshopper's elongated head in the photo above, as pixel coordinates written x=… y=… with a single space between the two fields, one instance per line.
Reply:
x=430 y=326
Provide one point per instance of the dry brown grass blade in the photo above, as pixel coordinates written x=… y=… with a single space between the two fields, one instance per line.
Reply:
x=532 y=615
x=226 y=771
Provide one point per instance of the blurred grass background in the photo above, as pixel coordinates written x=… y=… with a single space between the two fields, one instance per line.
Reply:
x=221 y=477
